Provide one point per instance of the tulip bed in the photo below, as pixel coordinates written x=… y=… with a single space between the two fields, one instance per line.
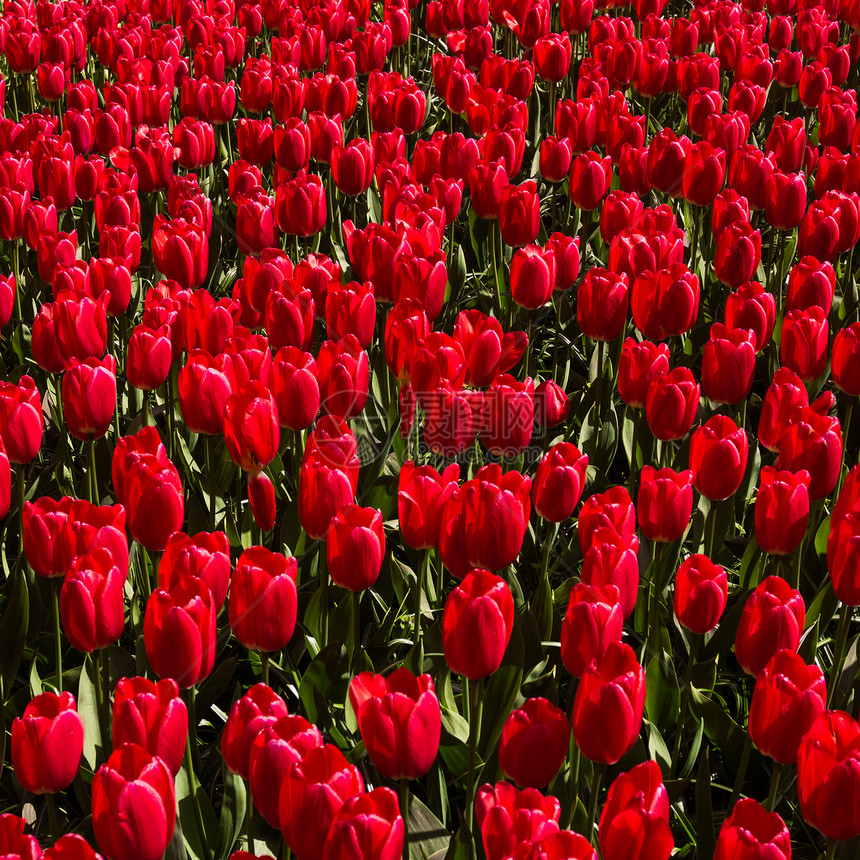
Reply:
x=426 y=429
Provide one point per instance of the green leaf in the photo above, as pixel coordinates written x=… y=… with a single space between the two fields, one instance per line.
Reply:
x=501 y=694
x=13 y=631
x=462 y=845
x=186 y=792
x=662 y=696
x=704 y=809
x=427 y=834
x=233 y=811
x=88 y=712
x=723 y=732
x=325 y=681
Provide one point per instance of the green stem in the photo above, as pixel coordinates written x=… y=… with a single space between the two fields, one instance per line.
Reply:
x=147 y=418
x=20 y=495
x=841 y=639
x=195 y=801
x=476 y=699
x=574 y=756
x=596 y=783
x=710 y=526
x=92 y=480
x=404 y=814
x=419 y=590
x=210 y=470
x=51 y=805
x=323 y=595
x=846 y=426
x=249 y=823
x=742 y=771
x=654 y=613
x=828 y=853
x=264 y=659
x=695 y=641
x=770 y=804
x=356 y=628
x=57 y=584
x=101 y=701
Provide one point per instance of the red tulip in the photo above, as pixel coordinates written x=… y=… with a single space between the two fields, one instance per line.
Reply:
x=665 y=503
x=671 y=405
x=533 y=744
x=718 y=457
x=355 y=547
x=89 y=396
x=205 y=556
x=751 y=831
x=251 y=429
x=258 y=708
x=91 y=601
x=701 y=591
x=367 y=823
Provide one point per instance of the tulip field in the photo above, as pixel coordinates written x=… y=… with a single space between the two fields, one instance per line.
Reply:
x=426 y=429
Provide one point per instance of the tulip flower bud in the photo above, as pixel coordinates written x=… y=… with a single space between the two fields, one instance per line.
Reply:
x=262 y=606
x=772 y=619
x=828 y=775
x=751 y=831
x=477 y=624
x=89 y=396
x=355 y=547
x=634 y=824
x=153 y=716
x=385 y=708
x=558 y=482
x=701 y=591
x=134 y=805
x=611 y=693
x=611 y=559
x=91 y=601
x=670 y=408
x=258 y=708
x=718 y=457
x=371 y=820
x=665 y=503
x=21 y=420
x=534 y=740
x=728 y=364
x=47 y=743
x=788 y=698
x=640 y=364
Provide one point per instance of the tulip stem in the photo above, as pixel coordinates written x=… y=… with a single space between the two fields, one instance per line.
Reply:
x=574 y=756
x=695 y=640
x=710 y=528
x=20 y=494
x=828 y=853
x=210 y=472
x=419 y=589
x=51 y=806
x=323 y=596
x=597 y=781
x=264 y=660
x=476 y=701
x=742 y=771
x=195 y=801
x=404 y=814
x=841 y=639
x=92 y=482
x=102 y=701
x=57 y=584
x=147 y=420
x=356 y=628
x=770 y=805
x=846 y=426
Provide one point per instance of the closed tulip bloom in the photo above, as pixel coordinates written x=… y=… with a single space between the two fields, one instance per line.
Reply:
x=89 y=396
x=532 y=276
x=355 y=547
x=352 y=166
x=590 y=178
x=351 y=309
x=705 y=170
x=261 y=496
x=665 y=503
x=70 y=847
x=665 y=302
x=509 y=417
x=47 y=743
x=477 y=624
x=258 y=708
x=153 y=716
x=295 y=387
x=634 y=824
x=619 y=211
x=602 y=300
x=251 y=428
x=673 y=399
x=300 y=206
x=206 y=556
x=324 y=488
x=785 y=394
x=558 y=482
x=180 y=250
x=421 y=498
x=485 y=520
x=519 y=214
x=552 y=405
x=751 y=307
x=811 y=283
x=843 y=558
x=718 y=457
x=785 y=199
x=803 y=346
x=21 y=420
x=701 y=591
x=610 y=700
x=262 y=606
x=556 y=156
x=728 y=363
x=781 y=510
x=751 y=831
x=611 y=559
x=274 y=751
x=179 y=632
x=91 y=601
x=640 y=363
x=788 y=697
x=772 y=619
x=367 y=825
x=737 y=255
x=134 y=805
x=312 y=795
x=813 y=442
x=612 y=509
x=828 y=775
x=149 y=357
x=508 y=817
x=343 y=372
x=400 y=721
x=534 y=741
x=594 y=618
